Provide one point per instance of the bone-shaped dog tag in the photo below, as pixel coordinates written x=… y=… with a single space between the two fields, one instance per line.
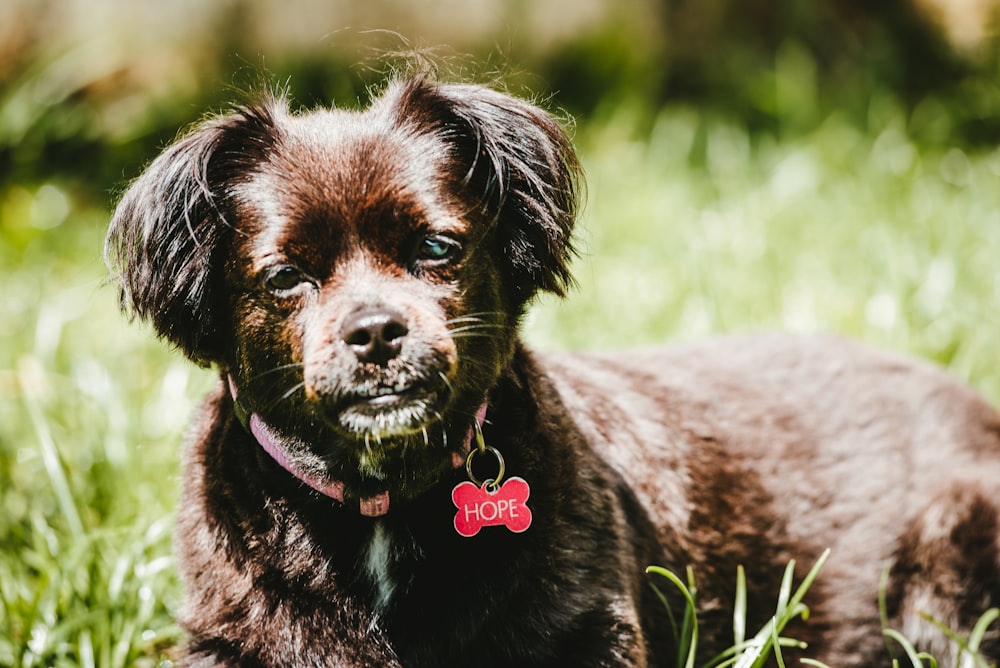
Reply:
x=479 y=507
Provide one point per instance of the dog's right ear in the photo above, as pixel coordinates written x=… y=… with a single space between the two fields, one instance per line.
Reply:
x=166 y=236
x=519 y=163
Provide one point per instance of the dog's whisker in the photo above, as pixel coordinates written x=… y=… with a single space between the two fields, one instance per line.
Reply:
x=295 y=388
x=479 y=315
x=444 y=379
x=277 y=369
x=471 y=318
x=474 y=335
x=472 y=362
x=467 y=335
x=475 y=327
x=444 y=436
x=464 y=318
x=284 y=396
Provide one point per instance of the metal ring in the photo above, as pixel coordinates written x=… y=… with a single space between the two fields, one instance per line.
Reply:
x=493 y=482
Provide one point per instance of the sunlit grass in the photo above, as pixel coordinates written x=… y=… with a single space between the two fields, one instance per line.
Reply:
x=704 y=229
x=89 y=426
x=699 y=230
x=766 y=645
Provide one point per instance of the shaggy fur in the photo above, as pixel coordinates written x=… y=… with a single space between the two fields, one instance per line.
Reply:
x=358 y=279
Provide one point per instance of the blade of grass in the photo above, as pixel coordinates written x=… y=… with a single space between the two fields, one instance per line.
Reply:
x=740 y=607
x=789 y=606
x=916 y=658
x=785 y=591
x=979 y=631
x=54 y=469
x=689 y=625
x=668 y=608
x=964 y=644
x=814 y=662
x=691 y=610
x=883 y=609
x=810 y=577
x=776 y=645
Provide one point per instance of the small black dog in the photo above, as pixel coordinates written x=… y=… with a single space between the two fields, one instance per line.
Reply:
x=384 y=476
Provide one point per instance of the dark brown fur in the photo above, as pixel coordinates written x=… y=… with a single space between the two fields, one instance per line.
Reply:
x=324 y=260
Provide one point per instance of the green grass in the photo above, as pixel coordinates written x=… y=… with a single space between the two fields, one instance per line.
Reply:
x=90 y=418
x=765 y=647
x=766 y=643
x=701 y=229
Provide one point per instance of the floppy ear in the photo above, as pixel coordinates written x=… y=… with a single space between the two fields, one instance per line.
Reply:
x=520 y=162
x=166 y=236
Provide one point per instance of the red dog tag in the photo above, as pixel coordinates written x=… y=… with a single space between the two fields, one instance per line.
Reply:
x=479 y=507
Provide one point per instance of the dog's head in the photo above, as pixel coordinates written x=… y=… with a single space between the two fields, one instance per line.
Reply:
x=358 y=275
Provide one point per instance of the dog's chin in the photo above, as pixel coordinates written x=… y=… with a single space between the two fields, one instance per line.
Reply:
x=392 y=439
x=399 y=445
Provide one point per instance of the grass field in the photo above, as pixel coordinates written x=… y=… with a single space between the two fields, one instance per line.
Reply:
x=697 y=229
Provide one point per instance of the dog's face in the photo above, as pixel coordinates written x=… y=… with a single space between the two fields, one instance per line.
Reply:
x=358 y=275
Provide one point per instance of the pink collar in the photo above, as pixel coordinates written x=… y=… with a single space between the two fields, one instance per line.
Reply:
x=372 y=506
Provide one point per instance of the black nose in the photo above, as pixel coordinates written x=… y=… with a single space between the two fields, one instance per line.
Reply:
x=375 y=336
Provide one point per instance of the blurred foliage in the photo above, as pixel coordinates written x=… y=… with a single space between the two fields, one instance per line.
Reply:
x=783 y=66
x=94 y=106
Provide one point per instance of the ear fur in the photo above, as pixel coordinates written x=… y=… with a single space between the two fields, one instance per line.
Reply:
x=166 y=234
x=521 y=164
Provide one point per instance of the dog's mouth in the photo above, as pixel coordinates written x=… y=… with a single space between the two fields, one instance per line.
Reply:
x=386 y=410
x=387 y=395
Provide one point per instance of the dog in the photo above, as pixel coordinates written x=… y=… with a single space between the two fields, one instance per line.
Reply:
x=385 y=475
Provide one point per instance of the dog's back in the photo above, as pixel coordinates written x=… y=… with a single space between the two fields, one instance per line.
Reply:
x=780 y=447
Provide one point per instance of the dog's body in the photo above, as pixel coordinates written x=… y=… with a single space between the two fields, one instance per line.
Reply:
x=358 y=279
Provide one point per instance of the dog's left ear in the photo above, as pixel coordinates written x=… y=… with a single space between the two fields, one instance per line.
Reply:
x=168 y=232
x=519 y=161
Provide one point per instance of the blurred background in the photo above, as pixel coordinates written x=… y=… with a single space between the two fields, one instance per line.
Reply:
x=825 y=165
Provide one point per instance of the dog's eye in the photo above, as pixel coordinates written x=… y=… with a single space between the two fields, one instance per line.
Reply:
x=284 y=278
x=437 y=248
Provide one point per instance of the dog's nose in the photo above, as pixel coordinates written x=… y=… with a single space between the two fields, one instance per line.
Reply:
x=375 y=336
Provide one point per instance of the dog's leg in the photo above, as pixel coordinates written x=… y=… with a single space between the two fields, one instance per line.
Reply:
x=946 y=569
